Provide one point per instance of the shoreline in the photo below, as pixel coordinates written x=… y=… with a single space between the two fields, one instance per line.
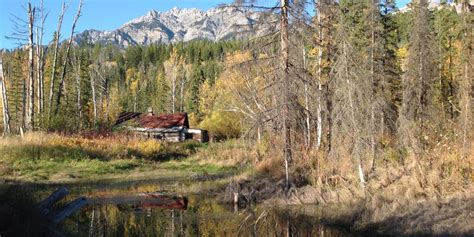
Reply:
x=407 y=211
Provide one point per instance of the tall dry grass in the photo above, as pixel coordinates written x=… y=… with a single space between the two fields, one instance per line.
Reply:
x=59 y=157
x=100 y=147
x=396 y=199
x=395 y=174
x=55 y=157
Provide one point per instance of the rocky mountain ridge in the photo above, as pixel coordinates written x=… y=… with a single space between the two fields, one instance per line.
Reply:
x=175 y=25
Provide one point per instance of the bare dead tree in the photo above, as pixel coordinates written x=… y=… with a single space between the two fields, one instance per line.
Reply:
x=40 y=59
x=31 y=70
x=253 y=99
x=21 y=34
x=94 y=97
x=355 y=80
x=375 y=66
x=66 y=58
x=307 y=91
x=285 y=86
x=77 y=75
x=184 y=78
x=174 y=70
x=101 y=73
x=5 y=110
x=373 y=9
x=324 y=41
x=351 y=101
x=24 y=101
x=324 y=45
x=287 y=111
x=99 y=88
x=319 y=127
x=55 y=58
x=418 y=111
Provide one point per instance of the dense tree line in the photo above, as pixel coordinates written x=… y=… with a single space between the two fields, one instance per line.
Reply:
x=352 y=79
x=102 y=81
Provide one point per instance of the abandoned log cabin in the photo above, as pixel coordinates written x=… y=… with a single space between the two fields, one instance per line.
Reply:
x=166 y=127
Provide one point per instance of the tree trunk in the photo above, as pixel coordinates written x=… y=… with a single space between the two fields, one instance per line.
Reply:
x=94 y=100
x=40 y=60
x=66 y=58
x=6 y=112
x=328 y=88
x=372 y=79
x=329 y=117
x=78 y=90
x=107 y=98
x=55 y=60
x=355 y=126
x=181 y=97
x=319 y=126
x=284 y=53
x=23 y=107
x=465 y=90
x=173 y=94
x=31 y=70
x=306 y=97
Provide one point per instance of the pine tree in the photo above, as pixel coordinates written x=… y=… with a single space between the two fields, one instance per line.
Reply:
x=390 y=86
x=419 y=111
x=375 y=66
x=353 y=96
x=447 y=32
x=196 y=80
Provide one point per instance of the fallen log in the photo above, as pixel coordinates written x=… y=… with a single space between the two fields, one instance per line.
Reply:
x=56 y=196
x=54 y=217
x=67 y=210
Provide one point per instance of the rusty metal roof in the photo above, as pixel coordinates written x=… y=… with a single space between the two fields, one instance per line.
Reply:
x=149 y=121
x=164 y=120
x=125 y=116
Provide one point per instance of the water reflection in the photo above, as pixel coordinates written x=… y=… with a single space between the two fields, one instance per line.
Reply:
x=203 y=217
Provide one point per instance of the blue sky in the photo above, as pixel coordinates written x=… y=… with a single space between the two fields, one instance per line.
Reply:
x=97 y=14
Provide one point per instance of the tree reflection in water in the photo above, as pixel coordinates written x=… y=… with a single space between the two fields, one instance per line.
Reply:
x=203 y=217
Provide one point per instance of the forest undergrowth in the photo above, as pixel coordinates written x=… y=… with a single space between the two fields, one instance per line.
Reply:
x=398 y=197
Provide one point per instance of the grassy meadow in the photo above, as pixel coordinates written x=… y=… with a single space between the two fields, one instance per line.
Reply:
x=41 y=157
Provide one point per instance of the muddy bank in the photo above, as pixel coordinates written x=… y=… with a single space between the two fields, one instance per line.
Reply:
x=395 y=206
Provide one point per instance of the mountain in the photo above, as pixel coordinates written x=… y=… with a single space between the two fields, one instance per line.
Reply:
x=181 y=25
x=436 y=5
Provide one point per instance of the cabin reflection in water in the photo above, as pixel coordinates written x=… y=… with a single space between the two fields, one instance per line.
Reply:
x=202 y=218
